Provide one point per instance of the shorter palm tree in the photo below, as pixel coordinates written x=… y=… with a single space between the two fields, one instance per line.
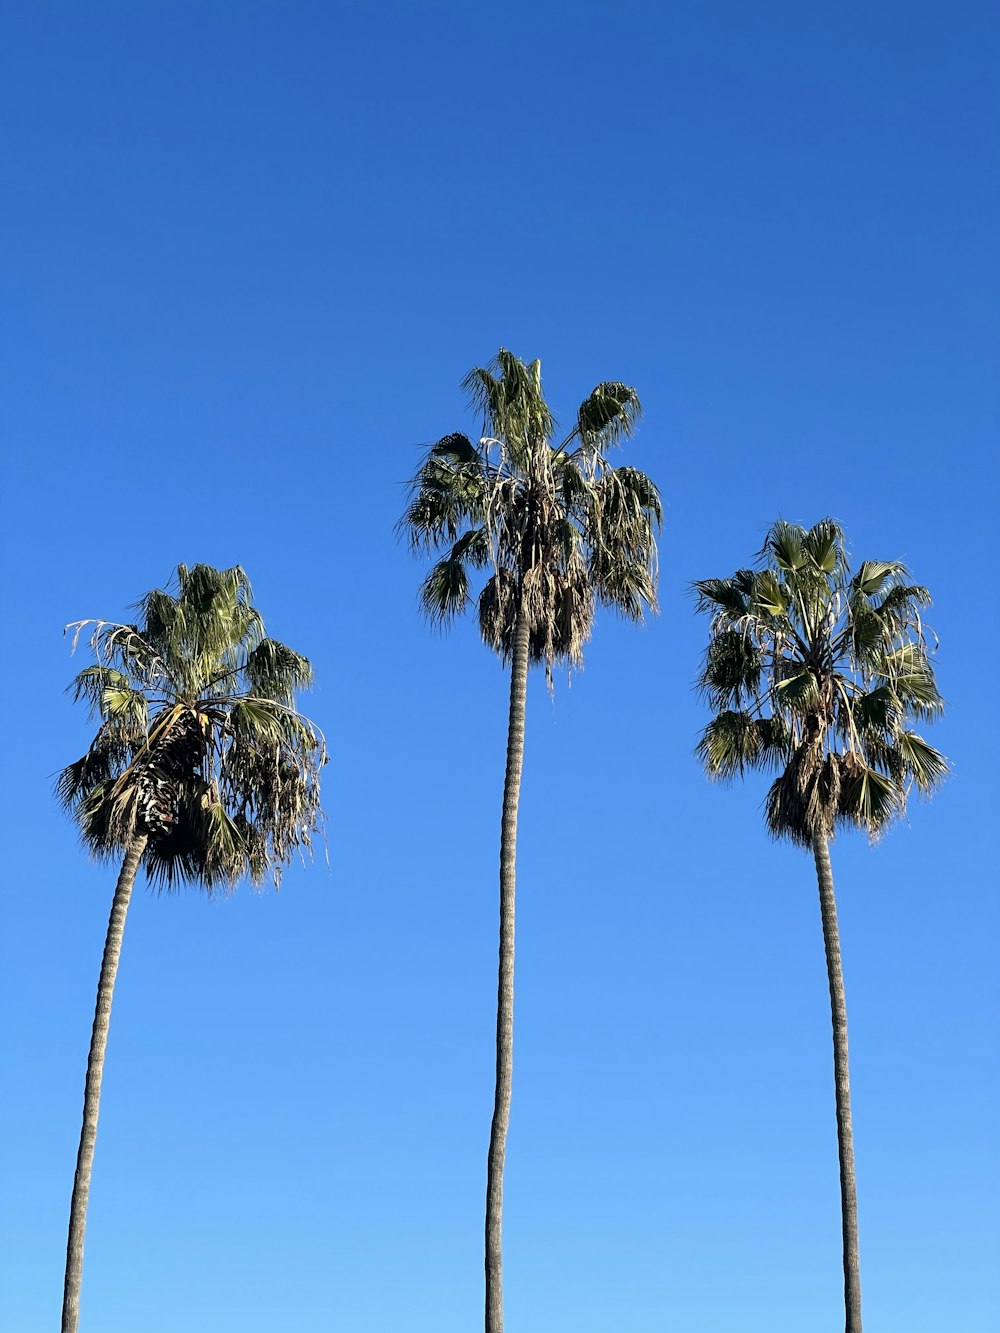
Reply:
x=201 y=771
x=817 y=672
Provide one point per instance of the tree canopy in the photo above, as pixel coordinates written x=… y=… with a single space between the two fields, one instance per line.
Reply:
x=199 y=743
x=818 y=672
x=557 y=527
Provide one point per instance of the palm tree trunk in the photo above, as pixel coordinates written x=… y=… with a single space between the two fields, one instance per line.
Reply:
x=92 y=1090
x=845 y=1134
x=505 y=987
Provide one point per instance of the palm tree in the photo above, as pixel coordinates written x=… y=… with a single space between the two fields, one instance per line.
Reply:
x=201 y=771
x=556 y=530
x=817 y=672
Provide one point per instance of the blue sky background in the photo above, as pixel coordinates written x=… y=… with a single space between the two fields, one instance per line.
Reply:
x=250 y=249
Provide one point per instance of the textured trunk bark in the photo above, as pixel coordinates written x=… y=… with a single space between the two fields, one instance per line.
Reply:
x=845 y=1133
x=505 y=987
x=92 y=1090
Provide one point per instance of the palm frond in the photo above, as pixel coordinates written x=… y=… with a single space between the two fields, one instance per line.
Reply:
x=824 y=544
x=871 y=800
x=606 y=416
x=878 y=710
x=731 y=675
x=734 y=741
x=446 y=494
x=275 y=671
x=874 y=577
x=900 y=601
x=919 y=694
x=727 y=595
x=623 y=584
x=91 y=684
x=769 y=597
x=508 y=394
x=784 y=544
x=444 y=593
x=458 y=450
x=254 y=722
x=798 y=691
x=925 y=765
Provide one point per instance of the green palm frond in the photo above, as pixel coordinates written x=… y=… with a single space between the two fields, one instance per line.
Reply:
x=473 y=548
x=925 y=765
x=870 y=637
x=919 y=694
x=119 y=647
x=899 y=604
x=607 y=416
x=275 y=671
x=127 y=711
x=798 y=692
x=784 y=545
x=824 y=545
x=908 y=671
x=907 y=659
x=508 y=394
x=623 y=585
x=731 y=597
x=878 y=710
x=732 y=671
x=769 y=596
x=734 y=741
x=875 y=577
x=871 y=800
x=446 y=493
x=458 y=450
x=254 y=722
x=575 y=491
x=444 y=593
x=92 y=684
x=640 y=496
x=109 y=756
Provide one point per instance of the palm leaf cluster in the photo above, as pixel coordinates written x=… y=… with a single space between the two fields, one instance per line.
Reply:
x=200 y=747
x=557 y=527
x=818 y=672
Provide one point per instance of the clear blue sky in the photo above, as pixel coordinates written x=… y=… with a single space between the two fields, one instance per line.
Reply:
x=249 y=251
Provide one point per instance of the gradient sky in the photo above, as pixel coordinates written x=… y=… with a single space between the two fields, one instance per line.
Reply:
x=249 y=251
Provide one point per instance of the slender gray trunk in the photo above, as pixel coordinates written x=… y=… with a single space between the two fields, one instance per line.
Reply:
x=92 y=1090
x=505 y=986
x=845 y=1134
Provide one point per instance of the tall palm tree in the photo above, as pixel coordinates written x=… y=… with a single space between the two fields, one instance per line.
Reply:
x=201 y=770
x=817 y=672
x=555 y=530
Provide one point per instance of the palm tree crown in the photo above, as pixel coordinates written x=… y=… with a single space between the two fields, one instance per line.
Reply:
x=817 y=671
x=199 y=746
x=558 y=528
